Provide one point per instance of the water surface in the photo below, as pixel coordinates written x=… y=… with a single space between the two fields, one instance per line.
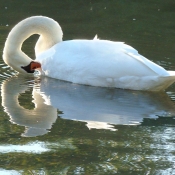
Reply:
x=54 y=127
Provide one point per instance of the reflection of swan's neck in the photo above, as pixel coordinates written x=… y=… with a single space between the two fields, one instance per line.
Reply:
x=36 y=121
x=49 y=30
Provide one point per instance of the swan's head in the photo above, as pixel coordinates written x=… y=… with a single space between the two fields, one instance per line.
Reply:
x=18 y=60
x=50 y=33
x=21 y=62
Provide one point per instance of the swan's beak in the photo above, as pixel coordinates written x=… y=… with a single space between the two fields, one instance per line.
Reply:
x=31 y=67
x=34 y=65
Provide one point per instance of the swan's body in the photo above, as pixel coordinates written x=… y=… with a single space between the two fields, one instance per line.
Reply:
x=90 y=62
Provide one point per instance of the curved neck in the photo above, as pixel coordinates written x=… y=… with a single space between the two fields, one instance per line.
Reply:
x=49 y=30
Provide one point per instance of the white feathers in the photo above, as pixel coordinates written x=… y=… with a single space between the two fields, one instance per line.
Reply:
x=89 y=62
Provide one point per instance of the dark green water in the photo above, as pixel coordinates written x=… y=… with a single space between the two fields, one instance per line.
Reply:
x=52 y=127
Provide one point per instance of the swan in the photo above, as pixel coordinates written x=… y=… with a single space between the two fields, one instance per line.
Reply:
x=90 y=62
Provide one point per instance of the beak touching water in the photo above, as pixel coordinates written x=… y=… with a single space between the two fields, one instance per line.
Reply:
x=31 y=67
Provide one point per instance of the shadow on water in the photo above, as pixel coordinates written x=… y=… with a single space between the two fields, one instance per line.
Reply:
x=99 y=108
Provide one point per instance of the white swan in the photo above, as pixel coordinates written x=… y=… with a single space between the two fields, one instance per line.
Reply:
x=90 y=62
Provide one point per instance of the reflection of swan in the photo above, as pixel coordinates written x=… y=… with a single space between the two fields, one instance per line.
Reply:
x=94 y=104
x=36 y=121
x=98 y=107
x=91 y=62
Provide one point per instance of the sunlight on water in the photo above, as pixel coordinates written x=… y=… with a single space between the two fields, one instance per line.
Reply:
x=36 y=147
x=50 y=126
x=9 y=172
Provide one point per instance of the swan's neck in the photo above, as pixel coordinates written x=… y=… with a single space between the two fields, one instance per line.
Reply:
x=50 y=33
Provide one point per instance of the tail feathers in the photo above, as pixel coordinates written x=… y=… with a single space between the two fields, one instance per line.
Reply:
x=163 y=82
x=171 y=73
x=167 y=80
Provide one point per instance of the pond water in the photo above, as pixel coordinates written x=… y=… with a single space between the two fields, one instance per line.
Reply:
x=49 y=126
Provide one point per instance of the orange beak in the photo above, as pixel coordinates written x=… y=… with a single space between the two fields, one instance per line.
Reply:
x=34 y=65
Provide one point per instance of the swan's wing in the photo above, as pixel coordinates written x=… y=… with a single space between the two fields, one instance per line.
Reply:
x=128 y=56
x=145 y=62
x=95 y=58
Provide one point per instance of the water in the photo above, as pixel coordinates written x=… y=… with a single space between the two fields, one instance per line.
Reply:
x=53 y=127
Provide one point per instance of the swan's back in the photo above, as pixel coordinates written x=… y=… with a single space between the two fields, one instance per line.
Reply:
x=102 y=63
